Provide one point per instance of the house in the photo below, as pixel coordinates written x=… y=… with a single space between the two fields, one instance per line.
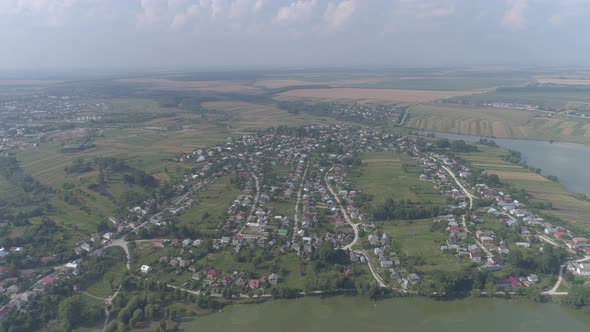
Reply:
x=386 y=263
x=212 y=274
x=145 y=269
x=495 y=260
x=254 y=283
x=107 y=235
x=157 y=243
x=71 y=265
x=523 y=244
x=475 y=257
x=533 y=278
x=273 y=279
x=510 y=282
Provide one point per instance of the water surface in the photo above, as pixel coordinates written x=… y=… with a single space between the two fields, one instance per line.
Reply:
x=570 y=162
x=354 y=314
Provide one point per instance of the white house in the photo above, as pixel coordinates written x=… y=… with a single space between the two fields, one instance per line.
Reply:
x=146 y=268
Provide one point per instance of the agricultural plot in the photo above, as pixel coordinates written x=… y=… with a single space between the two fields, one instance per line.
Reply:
x=211 y=204
x=418 y=240
x=565 y=204
x=441 y=84
x=555 y=98
x=376 y=95
x=496 y=122
x=389 y=174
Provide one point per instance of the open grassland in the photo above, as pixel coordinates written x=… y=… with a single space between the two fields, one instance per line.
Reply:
x=565 y=204
x=211 y=205
x=389 y=174
x=112 y=278
x=244 y=116
x=417 y=239
x=496 y=122
x=440 y=84
x=376 y=95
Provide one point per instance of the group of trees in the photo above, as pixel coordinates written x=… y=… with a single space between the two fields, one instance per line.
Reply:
x=79 y=165
x=12 y=171
x=527 y=261
x=403 y=209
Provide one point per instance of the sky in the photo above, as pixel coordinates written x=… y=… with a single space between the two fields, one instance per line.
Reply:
x=290 y=33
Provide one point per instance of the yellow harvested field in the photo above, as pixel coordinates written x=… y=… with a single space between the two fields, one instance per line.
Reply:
x=214 y=86
x=383 y=95
x=276 y=84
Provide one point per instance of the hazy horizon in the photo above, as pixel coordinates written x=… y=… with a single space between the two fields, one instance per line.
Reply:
x=175 y=34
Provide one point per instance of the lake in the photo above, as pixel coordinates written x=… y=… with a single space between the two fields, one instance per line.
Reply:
x=567 y=161
x=354 y=314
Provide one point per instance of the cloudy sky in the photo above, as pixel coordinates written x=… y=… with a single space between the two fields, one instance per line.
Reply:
x=248 y=33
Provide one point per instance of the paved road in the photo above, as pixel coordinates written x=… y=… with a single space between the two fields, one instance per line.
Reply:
x=465 y=191
x=258 y=192
x=376 y=276
x=355 y=227
x=553 y=291
x=298 y=203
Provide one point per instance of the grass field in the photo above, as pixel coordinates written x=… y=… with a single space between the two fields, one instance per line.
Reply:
x=496 y=122
x=417 y=239
x=111 y=280
x=566 y=205
x=214 y=200
x=383 y=175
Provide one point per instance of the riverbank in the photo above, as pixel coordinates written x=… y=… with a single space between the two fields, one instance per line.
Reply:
x=353 y=313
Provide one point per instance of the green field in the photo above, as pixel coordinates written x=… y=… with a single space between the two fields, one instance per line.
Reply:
x=384 y=175
x=111 y=279
x=417 y=239
x=214 y=200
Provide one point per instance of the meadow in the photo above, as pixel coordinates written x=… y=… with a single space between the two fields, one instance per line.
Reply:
x=211 y=204
x=418 y=240
x=390 y=174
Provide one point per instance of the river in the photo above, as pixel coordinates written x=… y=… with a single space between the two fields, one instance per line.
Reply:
x=567 y=161
x=355 y=313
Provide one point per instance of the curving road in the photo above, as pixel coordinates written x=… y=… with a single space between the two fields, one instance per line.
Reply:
x=465 y=191
x=355 y=227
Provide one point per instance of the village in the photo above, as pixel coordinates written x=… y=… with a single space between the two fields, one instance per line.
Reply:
x=315 y=160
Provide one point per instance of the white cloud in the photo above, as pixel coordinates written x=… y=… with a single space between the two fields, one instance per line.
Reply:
x=151 y=12
x=53 y=11
x=296 y=12
x=424 y=8
x=336 y=16
x=514 y=16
